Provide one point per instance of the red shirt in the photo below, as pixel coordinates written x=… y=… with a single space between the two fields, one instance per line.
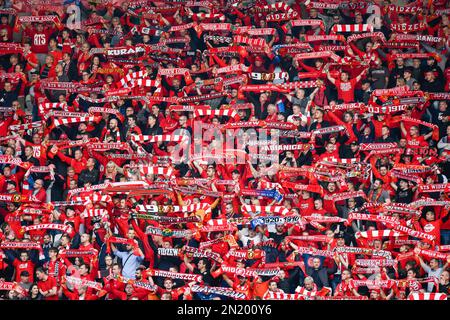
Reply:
x=13 y=220
x=306 y=206
x=433 y=228
x=57 y=55
x=416 y=142
x=39 y=40
x=346 y=90
x=46 y=285
x=23 y=266
x=56 y=269
x=32 y=58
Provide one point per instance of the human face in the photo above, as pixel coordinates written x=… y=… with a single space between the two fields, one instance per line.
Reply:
x=434 y=264
x=116 y=270
x=151 y=121
x=78 y=155
x=345 y=275
x=24 y=256
x=403 y=184
x=330 y=147
x=358 y=19
x=84 y=238
x=49 y=60
x=129 y=289
x=444 y=277
x=318 y=204
x=168 y=284
x=34 y=290
x=331 y=187
x=38 y=184
x=410 y=274
x=344 y=76
x=273 y=286
x=90 y=163
x=113 y=124
x=28 y=152
x=376 y=184
x=377 y=244
x=83 y=270
x=229 y=209
x=309 y=285
x=40 y=275
x=47 y=239
x=347 y=117
x=7 y=86
x=413 y=131
x=182 y=120
x=316 y=263
x=64 y=241
x=108 y=261
x=210 y=171
x=110 y=167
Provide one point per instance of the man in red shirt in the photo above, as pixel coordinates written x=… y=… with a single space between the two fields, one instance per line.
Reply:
x=345 y=86
x=38 y=191
x=22 y=264
x=414 y=139
x=55 y=266
x=40 y=38
x=46 y=285
x=30 y=57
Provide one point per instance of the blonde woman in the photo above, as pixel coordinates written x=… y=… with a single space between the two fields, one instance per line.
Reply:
x=111 y=171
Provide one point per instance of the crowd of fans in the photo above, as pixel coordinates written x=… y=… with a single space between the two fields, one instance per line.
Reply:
x=116 y=182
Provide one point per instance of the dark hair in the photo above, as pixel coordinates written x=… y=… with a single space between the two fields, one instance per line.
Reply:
x=40 y=269
x=31 y=288
x=378 y=179
x=86 y=265
x=116 y=264
x=65 y=235
x=205 y=262
x=414 y=270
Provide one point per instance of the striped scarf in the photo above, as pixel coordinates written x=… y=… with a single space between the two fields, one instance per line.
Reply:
x=351 y=28
x=71 y=120
x=158 y=138
x=280 y=210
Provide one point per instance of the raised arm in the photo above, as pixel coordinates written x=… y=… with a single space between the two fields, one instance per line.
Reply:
x=358 y=78
x=332 y=80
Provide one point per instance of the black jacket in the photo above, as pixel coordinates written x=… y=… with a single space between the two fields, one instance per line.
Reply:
x=86 y=175
x=322 y=274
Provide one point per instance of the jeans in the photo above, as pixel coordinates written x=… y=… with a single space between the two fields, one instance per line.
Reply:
x=335 y=281
x=445 y=237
